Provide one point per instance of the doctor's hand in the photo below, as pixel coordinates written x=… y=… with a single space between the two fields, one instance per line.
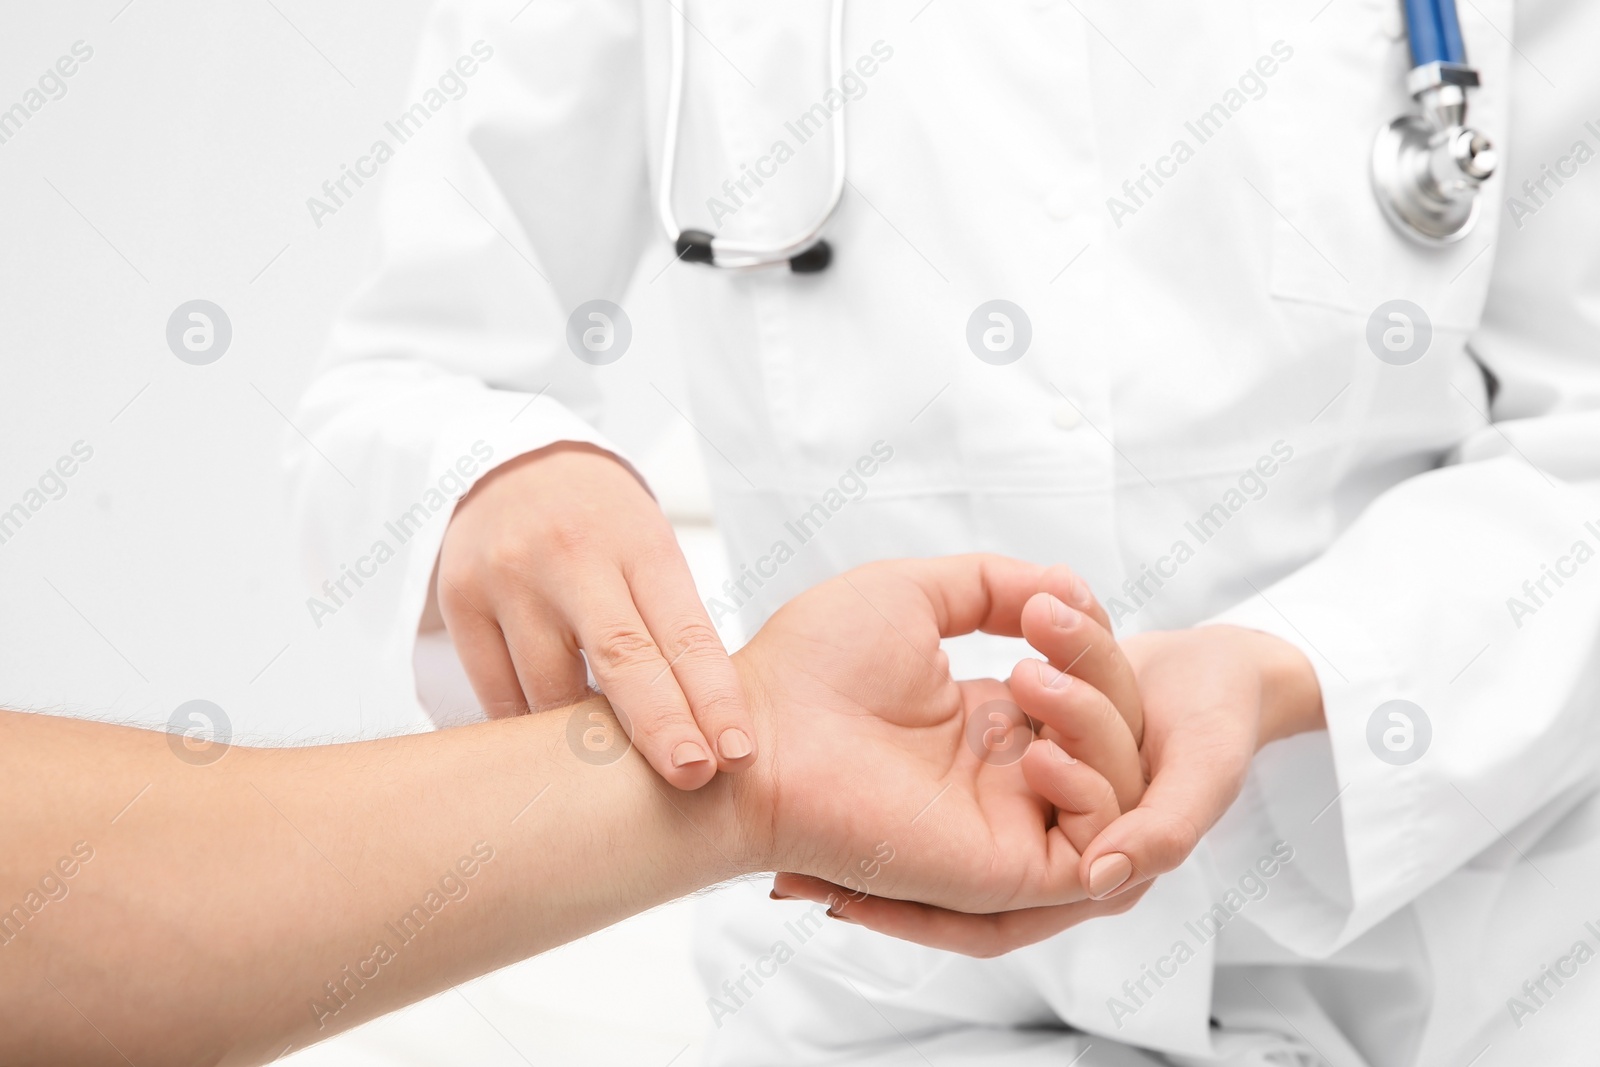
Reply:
x=1213 y=696
x=561 y=554
x=873 y=779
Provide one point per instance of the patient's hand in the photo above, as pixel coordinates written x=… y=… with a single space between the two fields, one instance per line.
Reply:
x=867 y=779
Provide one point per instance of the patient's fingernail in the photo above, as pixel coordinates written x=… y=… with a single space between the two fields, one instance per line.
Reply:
x=842 y=918
x=1107 y=873
x=688 y=753
x=1061 y=615
x=775 y=895
x=734 y=744
x=1051 y=678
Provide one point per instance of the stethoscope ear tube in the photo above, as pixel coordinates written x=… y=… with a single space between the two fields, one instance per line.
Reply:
x=1427 y=167
x=805 y=252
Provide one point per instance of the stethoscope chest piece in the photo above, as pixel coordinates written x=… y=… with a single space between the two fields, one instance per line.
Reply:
x=1427 y=179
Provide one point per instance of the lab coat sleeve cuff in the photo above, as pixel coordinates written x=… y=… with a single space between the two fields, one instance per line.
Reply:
x=1406 y=617
x=480 y=430
x=1303 y=792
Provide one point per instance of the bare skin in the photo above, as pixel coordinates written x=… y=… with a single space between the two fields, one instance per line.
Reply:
x=561 y=552
x=1210 y=697
x=221 y=910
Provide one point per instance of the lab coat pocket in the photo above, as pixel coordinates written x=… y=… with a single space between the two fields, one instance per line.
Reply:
x=1330 y=243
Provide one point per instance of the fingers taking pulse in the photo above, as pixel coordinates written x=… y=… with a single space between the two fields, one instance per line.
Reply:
x=559 y=556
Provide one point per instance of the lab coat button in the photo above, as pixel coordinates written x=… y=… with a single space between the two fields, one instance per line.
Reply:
x=1067 y=417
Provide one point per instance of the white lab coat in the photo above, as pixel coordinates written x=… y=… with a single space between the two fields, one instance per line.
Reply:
x=1210 y=323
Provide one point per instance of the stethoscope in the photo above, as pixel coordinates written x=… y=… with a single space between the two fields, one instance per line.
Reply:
x=805 y=252
x=1427 y=167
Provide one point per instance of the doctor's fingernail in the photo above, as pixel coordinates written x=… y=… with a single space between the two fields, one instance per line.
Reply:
x=1108 y=873
x=734 y=744
x=1079 y=594
x=1059 y=753
x=688 y=753
x=775 y=895
x=842 y=918
x=1051 y=678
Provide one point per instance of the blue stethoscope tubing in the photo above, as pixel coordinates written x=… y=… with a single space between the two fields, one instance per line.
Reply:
x=1434 y=32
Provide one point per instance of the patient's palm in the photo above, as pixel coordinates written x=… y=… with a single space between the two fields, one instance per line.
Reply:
x=870 y=757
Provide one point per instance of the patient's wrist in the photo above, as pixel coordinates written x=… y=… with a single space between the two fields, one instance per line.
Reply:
x=700 y=832
x=753 y=792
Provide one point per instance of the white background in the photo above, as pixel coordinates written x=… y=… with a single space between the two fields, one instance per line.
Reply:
x=177 y=166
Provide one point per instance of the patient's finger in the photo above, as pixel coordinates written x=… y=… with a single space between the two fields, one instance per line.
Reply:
x=1076 y=644
x=983 y=936
x=977 y=591
x=1084 y=801
x=1065 y=584
x=1086 y=724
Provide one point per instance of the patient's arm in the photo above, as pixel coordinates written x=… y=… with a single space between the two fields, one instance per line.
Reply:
x=211 y=907
x=170 y=912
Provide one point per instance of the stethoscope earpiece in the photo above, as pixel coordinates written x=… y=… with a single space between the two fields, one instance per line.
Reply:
x=694 y=246
x=812 y=260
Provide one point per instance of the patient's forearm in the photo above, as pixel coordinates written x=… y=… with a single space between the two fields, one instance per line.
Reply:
x=224 y=912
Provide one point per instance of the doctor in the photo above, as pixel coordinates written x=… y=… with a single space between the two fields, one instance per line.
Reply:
x=1108 y=286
